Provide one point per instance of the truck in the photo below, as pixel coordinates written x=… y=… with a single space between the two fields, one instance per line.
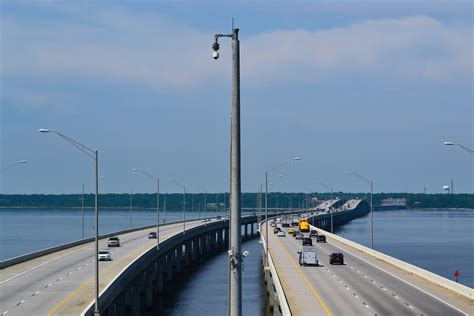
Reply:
x=308 y=256
x=294 y=220
x=304 y=225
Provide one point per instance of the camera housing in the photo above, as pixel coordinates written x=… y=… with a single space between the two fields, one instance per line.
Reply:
x=215 y=55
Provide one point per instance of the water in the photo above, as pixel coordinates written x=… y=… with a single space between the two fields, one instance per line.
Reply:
x=206 y=291
x=440 y=241
x=25 y=230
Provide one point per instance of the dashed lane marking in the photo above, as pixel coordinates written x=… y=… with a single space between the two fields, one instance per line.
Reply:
x=4 y=313
x=35 y=293
x=19 y=303
x=365 y=304
x=48 y=285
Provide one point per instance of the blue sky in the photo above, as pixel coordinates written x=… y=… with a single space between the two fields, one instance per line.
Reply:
x=372 y=86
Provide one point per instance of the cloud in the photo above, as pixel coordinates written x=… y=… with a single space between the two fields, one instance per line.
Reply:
x=145 y=49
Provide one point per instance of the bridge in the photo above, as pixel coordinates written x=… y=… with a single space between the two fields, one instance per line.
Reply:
x=368 y=283
x=140 y=278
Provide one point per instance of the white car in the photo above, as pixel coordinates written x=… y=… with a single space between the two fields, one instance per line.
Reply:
x=104 y=255
x=281 y=233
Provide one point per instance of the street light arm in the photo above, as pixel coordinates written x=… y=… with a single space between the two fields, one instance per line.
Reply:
x=86 y=150
x=469 y=150
x=359 y=176
x=177 y=183
x=147 y=174
x=11 y=165
x=324 y=185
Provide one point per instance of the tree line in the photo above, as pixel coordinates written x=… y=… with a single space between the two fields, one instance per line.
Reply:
x=174 y=201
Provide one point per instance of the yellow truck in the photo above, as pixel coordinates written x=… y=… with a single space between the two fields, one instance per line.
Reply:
x=304 y=225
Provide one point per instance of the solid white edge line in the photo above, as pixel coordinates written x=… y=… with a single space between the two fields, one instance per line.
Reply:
x=404 y=281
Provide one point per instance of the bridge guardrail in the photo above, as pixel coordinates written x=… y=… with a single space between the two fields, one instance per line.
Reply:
x=430 y=276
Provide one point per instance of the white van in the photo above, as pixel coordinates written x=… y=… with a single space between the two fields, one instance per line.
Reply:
x=308 y=256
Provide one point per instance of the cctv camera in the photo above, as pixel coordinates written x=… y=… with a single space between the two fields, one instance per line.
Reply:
x=245 y=253
x=215 y=55
x=230 y=252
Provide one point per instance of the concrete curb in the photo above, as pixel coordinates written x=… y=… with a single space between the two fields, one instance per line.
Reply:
x=430 y=276
x=283 y=303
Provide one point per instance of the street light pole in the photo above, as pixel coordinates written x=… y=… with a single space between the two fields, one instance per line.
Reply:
x=94 y=154
x=267 y=172
x=235 y=255
x=157 y=204
x=82 y=211
x=371 y=205
x=131 y=194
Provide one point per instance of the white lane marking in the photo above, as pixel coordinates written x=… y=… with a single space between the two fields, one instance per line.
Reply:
x=355 y=295
x=22 y=301
x=394 y=295
x=35 y=293
x=48 y=285
x=29 y=270
x=4 y=313
x=366 y=305
x=59 y=279
x=404 y=281
x=69 y=273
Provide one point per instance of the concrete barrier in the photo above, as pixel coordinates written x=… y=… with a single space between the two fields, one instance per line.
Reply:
x=430 y=276
x=32 y=255
x=280 y=293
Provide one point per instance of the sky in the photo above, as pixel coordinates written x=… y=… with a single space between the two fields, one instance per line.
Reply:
x=370 y=86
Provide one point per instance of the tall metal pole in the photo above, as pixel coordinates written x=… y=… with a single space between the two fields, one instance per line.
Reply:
x=371 y=215
x=96 y=309
x=235 y=194
x=131 y=223
x=164 y=210
x=266 y=217
x=332 y=211
x=184 y=209
x=82 y=210
x=157 y=213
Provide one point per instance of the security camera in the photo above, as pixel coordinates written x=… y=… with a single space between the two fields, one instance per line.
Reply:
x=215 y=48
x=245 y=253
x=230 y=252
x=215 y=55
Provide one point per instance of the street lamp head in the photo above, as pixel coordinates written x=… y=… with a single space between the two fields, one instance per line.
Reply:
x=135 y=169
x=44 y=130
x=448 y=143
x=348 y=172
x=215 y=48
x=297 y=158
x=22 y=161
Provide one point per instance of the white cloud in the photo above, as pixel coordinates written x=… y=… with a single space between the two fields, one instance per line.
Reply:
x=149 y=50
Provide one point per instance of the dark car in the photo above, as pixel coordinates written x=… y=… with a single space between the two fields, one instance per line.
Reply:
x=152 y=235
x=321 y=238
x=307 y=241
x=313 y=233
x=114 y=242
x=276 y=230
x=336 y=258
x=299 y=235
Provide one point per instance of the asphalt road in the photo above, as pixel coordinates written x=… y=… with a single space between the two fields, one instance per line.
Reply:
x=362 y=286
x=62 y=283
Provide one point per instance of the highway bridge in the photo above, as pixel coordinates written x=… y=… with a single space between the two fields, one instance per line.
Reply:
x=368 y=283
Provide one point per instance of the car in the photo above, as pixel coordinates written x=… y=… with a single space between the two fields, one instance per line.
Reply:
x=308 y=256
x=104 y=255
x=313 y=233
x=336 y=257
x=307 y=241
x=219 y=218
x=299 y=235
x=113 y=242
x=291 y=230
x=276 y=230
x=152 y=235
x=321 y=238
x=281 y=233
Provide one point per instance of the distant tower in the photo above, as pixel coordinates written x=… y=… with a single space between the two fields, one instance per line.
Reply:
x=424 y=190
x=446 y=189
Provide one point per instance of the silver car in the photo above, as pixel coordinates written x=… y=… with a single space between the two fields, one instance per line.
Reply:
x=104 y=255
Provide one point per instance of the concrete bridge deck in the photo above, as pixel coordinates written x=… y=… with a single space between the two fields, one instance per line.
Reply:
x=363 y=286
x=62 y=283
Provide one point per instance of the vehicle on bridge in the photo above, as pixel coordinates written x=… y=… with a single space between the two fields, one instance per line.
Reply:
x=291 y=231
x=298 y=235
x=303 y=225
x=307 y=241
x=114 y=242
x=294 y=220
x=336 y=257
x=152 y=235
x=281 y=233
x=313 y=233
x=321 y=238
x=277 y=230
x=308 y=256
x=104 y=255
